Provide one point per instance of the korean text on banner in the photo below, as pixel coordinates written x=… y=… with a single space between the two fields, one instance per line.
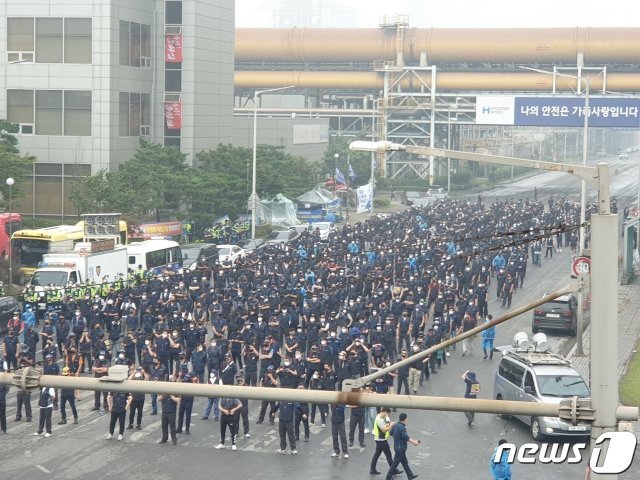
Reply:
x=173 y=115
x=173 y=48
x=365 y=198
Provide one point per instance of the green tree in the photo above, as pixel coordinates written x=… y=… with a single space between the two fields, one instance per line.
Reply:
x=7 y=136
x=154 y=179
x=12 y=163
x=221 y=182
x=92 y=194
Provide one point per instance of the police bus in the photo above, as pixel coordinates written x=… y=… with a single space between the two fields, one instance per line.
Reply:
x=154 y=256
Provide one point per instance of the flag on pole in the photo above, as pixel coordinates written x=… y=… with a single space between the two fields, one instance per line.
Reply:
x=365 y=198
x=340 y=177
x=352 y=174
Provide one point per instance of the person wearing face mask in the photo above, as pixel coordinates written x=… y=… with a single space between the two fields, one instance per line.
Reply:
x=157 y=373
x=198 y=362
x=212 y=402
x=317 y=383
x=176 y=344
x=101 y=369
x=190 y=339
x=269 y=380
x=137 y=400
x=214 y=356
x=10 y=350
x=122 y=359
x=415 y=369
x=287 y=374
x=115 y=333
x=163 y=349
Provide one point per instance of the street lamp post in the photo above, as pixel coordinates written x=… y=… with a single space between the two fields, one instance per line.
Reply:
x=10 y=181
x=253 y=199
x=604 y=276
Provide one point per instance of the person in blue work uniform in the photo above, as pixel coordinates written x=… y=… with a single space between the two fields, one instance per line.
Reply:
x=338 y=430
x=400 y=440
x=169 y=407
x=500 y=468
x=301 y=415
x=118 y=403
x=137 y=404
x=67 y=395
x=488 y=337
x=186 y=406
x=285 y=426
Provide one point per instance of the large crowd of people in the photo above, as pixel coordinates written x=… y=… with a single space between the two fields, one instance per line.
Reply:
x=306 y=315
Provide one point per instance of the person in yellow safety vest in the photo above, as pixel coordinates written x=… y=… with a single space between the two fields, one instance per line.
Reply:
x=381 y=432
x=119 y=283
x=140 y=273
x=105 y=287
x=92 y=289
x=131 y=277
x=77 y=292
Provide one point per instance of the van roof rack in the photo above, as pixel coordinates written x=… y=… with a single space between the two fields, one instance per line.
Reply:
x=541 y=358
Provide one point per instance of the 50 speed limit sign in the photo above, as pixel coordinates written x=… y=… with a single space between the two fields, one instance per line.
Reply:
x=581 y=266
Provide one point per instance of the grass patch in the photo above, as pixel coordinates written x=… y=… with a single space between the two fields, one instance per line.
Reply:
x=630 y=384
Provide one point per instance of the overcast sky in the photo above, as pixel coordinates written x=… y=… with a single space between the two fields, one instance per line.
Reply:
x=473 y=13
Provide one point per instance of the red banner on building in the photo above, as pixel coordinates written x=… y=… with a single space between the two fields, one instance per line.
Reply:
x=173 y=115
x=173 y=48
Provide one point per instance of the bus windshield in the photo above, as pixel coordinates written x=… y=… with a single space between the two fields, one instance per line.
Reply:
x=30 y=252
x=44 y=278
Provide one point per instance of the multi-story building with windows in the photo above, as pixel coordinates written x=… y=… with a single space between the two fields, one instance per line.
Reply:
x=86 y=79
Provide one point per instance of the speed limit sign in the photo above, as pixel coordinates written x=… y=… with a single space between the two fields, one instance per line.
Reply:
x=580 y=266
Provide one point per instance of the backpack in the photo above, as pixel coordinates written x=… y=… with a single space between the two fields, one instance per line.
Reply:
x=475 y=389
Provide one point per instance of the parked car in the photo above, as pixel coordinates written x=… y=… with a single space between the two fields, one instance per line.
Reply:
x=8 y=305
x=543 y=378
x=558 y=314
x=324 y=229
x=437 y=191
x=249 y=245
x=279 y=237
x=623 y=156
x=229 y=254
x=192 y=253
x=409 y=197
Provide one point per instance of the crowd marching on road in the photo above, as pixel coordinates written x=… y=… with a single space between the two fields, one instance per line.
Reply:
x=308 y=315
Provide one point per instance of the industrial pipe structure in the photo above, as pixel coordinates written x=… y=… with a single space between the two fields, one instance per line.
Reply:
x=461 y=55
x=447 y=81
x=430 y=46
x=33 y=380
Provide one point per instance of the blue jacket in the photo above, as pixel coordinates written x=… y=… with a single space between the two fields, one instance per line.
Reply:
x=498 y=262
x=502 y=469
x=400 y=437
x=489 y=333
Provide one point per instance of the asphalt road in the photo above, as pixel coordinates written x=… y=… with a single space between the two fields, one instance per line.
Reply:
x=449 y=448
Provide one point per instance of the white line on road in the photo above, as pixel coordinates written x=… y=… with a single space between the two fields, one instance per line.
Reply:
x=42 y=469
